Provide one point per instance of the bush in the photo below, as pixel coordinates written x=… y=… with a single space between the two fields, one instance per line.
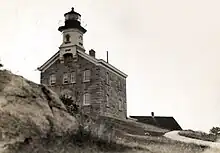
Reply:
x=71 y=107
x=198 y=135
x=85 y=138
x=215 y=131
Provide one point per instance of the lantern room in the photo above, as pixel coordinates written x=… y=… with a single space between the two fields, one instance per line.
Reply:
x=72 y=21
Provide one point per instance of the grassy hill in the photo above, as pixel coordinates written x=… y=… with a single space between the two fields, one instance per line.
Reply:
x=33 y=119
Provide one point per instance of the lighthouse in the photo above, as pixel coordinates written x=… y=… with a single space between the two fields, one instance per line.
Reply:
x=72 y=33
x=96 y=87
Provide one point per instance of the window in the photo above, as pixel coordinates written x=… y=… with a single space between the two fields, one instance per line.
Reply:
x=86 y=99
x=65 y=78
x=80 y=38
x=119 y=85
x=86 y=75
x=67 y=39
x=73 y=77
x=67 y=50
x=107 y=100
x=52 y=79
x=107 y=78
x=120 y=105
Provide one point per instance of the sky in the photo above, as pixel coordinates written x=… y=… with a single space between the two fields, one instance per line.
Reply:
x=169 y=49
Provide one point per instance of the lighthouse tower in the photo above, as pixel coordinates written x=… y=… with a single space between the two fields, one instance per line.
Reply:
x=94 y=85
x=72 y=33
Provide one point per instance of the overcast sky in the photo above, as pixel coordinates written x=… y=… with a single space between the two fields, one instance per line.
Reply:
x=170 y=49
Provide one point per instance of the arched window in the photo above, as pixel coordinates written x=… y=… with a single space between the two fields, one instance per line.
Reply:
x=67 y=38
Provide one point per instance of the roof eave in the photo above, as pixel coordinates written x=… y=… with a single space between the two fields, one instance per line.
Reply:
x=113 y=68
x=102 y=63
x=97 y=61
x=39 y=69
x=48 y=61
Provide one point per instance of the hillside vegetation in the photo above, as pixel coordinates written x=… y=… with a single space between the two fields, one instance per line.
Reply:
x=198 y=135
x=33 y=119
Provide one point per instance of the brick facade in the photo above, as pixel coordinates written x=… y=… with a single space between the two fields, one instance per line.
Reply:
x=98 y=87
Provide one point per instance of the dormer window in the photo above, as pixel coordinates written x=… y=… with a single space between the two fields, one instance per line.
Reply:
x=67 y=39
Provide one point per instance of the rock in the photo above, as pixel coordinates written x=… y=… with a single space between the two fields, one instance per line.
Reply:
x=29 y=110
x=33 y=119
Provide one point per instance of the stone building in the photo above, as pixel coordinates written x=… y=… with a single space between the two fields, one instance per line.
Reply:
x=94 y=85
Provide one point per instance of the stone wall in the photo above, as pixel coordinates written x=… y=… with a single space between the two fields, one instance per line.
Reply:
x=76 y=90
x=97 y=87
x=116 y=90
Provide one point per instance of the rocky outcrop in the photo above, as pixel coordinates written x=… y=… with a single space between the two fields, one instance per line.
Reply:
x=33 y=119
x=29 y=111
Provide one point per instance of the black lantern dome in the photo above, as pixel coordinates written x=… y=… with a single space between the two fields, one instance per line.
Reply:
x=72 y=20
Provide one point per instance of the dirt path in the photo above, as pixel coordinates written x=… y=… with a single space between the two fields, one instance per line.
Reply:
x=215 y=146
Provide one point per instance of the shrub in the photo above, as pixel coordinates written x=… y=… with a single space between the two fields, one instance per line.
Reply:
x=198 y=135
x=71 y=106
x=215 y=131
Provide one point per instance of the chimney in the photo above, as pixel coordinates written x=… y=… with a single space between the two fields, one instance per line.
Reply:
x=152 y=114
x=92 y=53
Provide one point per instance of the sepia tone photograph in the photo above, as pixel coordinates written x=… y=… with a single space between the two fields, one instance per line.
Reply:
x=109 y=76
